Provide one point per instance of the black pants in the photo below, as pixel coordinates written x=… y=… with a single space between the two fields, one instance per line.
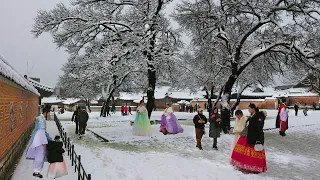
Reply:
x=296 y=112
x=215 y=142
x=77 y=127
x=82 y=129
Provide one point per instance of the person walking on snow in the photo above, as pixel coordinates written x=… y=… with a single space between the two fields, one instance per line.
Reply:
x=199 y=121
x=282 y=118
x=83 y=118
x=214 y=130
x=57 y=167
x=74 y=119
x=296 y=108
x=305 y=110
x=37 y=148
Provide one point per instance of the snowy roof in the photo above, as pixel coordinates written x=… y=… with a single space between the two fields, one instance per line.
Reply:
x=233 y=100
x=50 y=100
x=130 y=96
x=9 y=72
x=41 y=86
x=70 y=100
x=94 y=102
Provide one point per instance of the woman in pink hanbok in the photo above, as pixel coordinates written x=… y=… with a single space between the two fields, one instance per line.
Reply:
x=57 y=167
x=169 y=122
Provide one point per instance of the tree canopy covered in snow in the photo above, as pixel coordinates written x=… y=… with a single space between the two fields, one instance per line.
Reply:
x=113 y=40
x=243 y=42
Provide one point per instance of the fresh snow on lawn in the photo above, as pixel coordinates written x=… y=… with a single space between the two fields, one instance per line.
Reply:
x=174 y=157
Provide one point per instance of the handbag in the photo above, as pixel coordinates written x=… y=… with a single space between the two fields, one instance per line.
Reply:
x=258 y=146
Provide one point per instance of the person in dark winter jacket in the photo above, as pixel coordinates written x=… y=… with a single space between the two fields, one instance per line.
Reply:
x=296 y=108
x=55 y=150
x=83 y=118
x=255 y=126
x=214 y=130
x=74 y=118
x=199 y=121
x=130 y=110
x=57 y=167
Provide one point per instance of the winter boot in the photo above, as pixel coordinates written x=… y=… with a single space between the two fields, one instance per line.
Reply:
x=37 y=175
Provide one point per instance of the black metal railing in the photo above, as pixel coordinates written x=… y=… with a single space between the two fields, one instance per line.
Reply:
x=74 y=157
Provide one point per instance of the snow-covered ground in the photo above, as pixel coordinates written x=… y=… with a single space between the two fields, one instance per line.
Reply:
x=24 y=168
x=176 y=157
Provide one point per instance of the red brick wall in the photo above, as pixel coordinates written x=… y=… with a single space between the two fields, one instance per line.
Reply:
x=266 y=104
x=303 y=100
x=18 y=109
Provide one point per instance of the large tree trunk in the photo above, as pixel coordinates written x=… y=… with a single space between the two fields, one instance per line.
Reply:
x=210 y=97
x=88 y=104
x=150 y=91
x=106 y=103
x=219 y=96
x=225 y=112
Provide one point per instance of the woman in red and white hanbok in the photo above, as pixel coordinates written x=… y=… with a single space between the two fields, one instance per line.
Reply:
x=244 y=155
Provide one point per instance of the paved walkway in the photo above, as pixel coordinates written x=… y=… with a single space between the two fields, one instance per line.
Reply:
x=24 y=168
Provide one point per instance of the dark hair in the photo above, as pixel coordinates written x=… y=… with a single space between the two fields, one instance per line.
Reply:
x=238 y=112
x=253 y=106
x=142 y=101
x=45 y=110
x=57 y=137
x=284 y=100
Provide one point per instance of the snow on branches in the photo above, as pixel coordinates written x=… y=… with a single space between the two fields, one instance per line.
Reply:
x=123 y=36
x=250 y=41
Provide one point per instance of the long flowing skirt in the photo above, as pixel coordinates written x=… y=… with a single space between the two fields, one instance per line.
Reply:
x=245 y=157
x=236 y=138
x=142 y=126
x=36 y=151
x=57 y=170
x=171 y=125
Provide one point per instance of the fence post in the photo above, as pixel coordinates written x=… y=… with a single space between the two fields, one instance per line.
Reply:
x=68 y=146
x=79 y=174
x=89 y=176
x=72 y=153
x=65 y=139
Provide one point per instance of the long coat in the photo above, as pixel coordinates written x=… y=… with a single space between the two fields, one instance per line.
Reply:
x=255 y=129
x=214 y=128
x=55 y=150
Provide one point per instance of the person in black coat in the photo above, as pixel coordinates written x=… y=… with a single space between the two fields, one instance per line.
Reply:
x=75 y=119
x=296 y=108
x=255 y=126
x=83 y=118
x=199 y=121
x=55 y=150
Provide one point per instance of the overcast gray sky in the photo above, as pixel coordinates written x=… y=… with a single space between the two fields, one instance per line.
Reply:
x=18 y=46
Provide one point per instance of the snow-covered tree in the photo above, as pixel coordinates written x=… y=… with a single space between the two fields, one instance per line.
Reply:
x=250 y=39
x=134 y=25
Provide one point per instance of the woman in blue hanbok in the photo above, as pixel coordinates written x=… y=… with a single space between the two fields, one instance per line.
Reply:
x=142 y=126
x=37 y=148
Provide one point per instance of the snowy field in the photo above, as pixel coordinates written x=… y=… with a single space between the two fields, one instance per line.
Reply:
x=174 y=157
